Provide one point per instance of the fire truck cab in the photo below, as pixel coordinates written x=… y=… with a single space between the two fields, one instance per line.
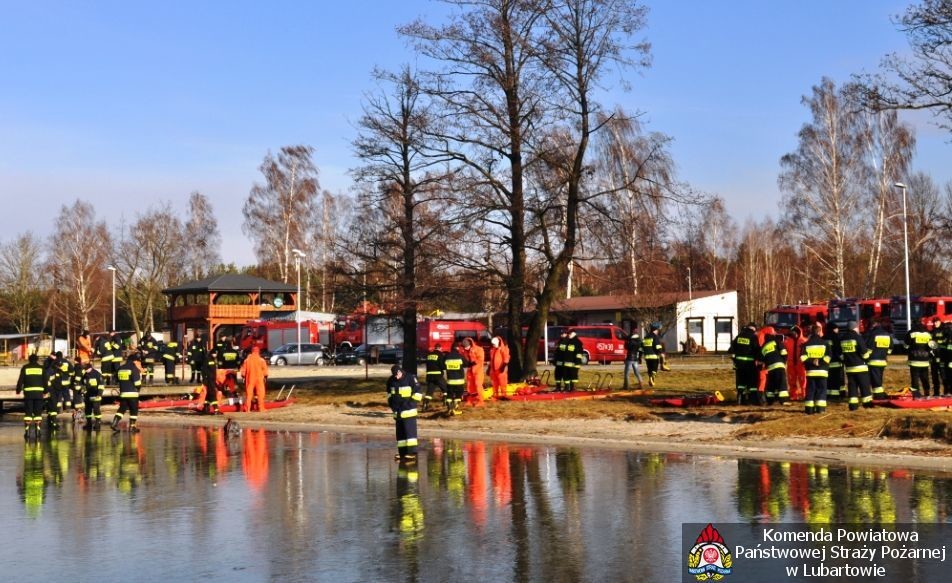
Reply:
x=867 y=312
x=785 y=317
x=925 y=309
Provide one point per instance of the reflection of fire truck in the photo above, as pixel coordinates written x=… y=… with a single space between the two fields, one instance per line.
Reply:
x=925 y=309
x=784 y=317
x=867 y=312
x=269 y=334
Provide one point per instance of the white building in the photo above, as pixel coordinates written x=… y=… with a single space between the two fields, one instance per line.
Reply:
x=709 y=317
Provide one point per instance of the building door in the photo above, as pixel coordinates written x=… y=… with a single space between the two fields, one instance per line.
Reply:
x=723 y=333
x=695 y=339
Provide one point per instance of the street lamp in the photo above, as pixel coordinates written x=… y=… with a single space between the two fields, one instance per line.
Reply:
x=112 y=268
x=298 y=256
x=905 y=236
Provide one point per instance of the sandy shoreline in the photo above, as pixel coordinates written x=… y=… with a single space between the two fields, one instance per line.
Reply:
x=687 y=437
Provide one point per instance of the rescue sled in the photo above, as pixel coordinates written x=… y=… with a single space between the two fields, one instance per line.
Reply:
x=268 y=405
x=167 y=403
x=557 y=396
x=906 y=401
x=714 y=398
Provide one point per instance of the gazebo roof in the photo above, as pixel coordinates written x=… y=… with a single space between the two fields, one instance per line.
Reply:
x=230 y=282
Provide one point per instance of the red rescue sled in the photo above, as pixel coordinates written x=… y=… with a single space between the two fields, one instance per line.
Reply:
x=906 y=401
x=234 y=408
x=166 y=403
x=689 y=400
x=556 y=396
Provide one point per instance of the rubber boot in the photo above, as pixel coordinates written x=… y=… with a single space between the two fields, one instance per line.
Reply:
x=133 y=427
x=808 y=409
x=115 y=422
x=97 y=425
x=27 y=431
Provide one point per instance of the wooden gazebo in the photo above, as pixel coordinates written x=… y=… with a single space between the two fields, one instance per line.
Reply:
x=221 y=304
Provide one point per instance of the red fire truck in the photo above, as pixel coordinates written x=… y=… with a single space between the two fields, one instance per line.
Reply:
x=447 y=332
x=269 y=334
x=925 y=309
x=867 y=312
x=785 y=317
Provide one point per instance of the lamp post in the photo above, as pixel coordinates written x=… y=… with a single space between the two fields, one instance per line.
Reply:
x=905 y=237
x=298 y=255
x=112 y=268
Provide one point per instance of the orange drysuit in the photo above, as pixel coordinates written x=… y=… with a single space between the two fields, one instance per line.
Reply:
x=499 y=366
x=255 y=372
x=84 y=348
x=796 y=371
x=475 y=374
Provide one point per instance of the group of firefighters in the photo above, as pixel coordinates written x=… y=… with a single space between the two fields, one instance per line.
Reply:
x=59 y=386
x=830 y=364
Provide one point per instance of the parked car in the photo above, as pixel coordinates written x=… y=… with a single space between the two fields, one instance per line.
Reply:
x=386 y=353
x=288 y=354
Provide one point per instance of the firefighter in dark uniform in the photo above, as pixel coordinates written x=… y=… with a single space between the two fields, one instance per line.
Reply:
x=149 y=351
x=653 y=351
x=92 y=395
x=115 y=348
x=209 y=376
x=935 y=365
x=572 y=360
x=855 y=354
x=170 y=356
x=743 y=350
x=879 y=343
x=228 y=357
x=129 y=380
x=33 y=383
x=403 y=395
x=558 y=374
x=197 y=355
x=773 y=355
x=79 y=402
x=945 y=357
x=435 y=375
x=455 y=366
x=835 y=389
x=919 y=346
x=815 y=355
x=104 y=350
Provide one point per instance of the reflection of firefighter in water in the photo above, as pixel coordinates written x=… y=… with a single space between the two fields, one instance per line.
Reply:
x=502 y=476
x=476 y=490
x=32 y=480
x=254 y=457
x=409 y=508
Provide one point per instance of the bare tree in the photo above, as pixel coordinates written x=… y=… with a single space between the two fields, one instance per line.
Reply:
x=922 y=80
x=821 y=182
x=583 y=42
x=280 y=213
x=21 y=278
x=407 y=196
x=202 y=239
x=492 y=95
x=150 y=257
x=79 y=251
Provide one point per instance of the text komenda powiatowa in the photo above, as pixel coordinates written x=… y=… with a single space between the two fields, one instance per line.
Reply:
x=864 y=549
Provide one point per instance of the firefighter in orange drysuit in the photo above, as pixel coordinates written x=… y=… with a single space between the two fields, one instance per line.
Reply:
x=796 y=373
x=762 y=370
x=255 y=372
x=499 y=366
x=475 y=375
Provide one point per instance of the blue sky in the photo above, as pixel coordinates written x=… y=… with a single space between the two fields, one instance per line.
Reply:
x=127 y=103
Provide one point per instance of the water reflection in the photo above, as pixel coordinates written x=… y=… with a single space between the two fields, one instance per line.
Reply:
x=325 y=506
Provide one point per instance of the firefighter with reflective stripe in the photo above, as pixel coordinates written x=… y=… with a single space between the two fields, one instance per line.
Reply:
x=435 y=375
x=170 y=356
x=456 y=367
x=209 y=381
x=104 y=351
x=403 y=395
x=773 y=356
x=935 y=366
x=815 y=355
x=880 y=345
x=79 y=402
x=129 y=380
x=558 y=373
x=919 y=347
x=228 y=357
x=855 y=354
x=53 y=368
x=197 y=355
x=149 y=350
x=743 y=351
x=92 y=395
x=653 y=351
x=64 y=384
x=835 y=390
x=33 y=383
x=572 y=360
x=945 y=357
x=115 y=348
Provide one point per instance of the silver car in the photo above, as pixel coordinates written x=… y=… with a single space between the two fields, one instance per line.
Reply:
x=288 y=354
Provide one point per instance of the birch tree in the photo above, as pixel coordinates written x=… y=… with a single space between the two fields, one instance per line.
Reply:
x=21 y=279
x=280 y=212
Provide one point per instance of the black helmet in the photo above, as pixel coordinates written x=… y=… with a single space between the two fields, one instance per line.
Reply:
x=395 y=369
